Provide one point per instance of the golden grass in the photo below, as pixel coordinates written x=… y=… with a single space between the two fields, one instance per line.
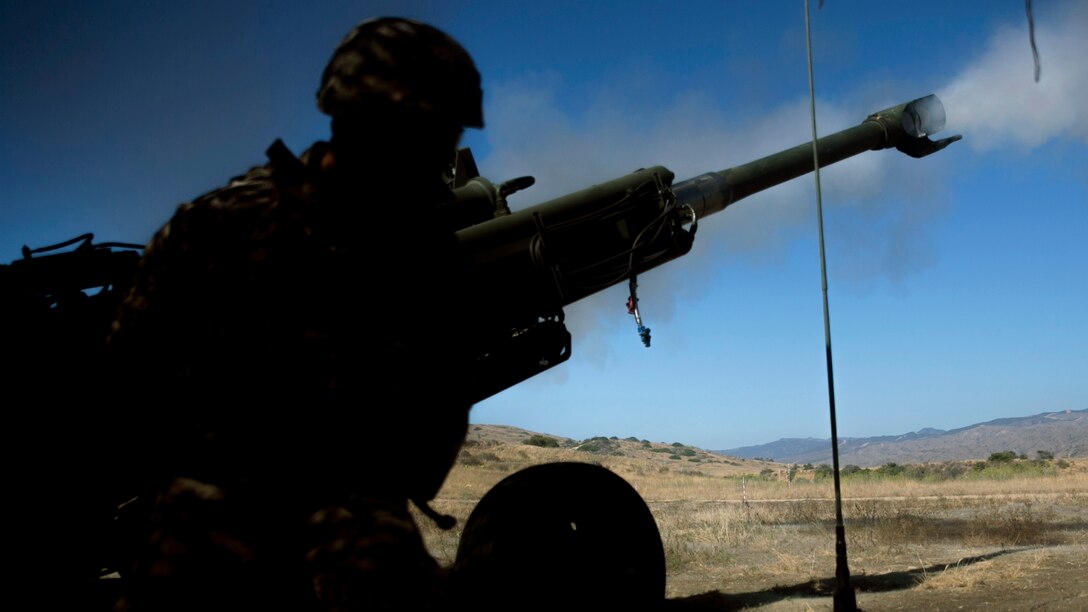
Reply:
x=986 y=574
x=723 y=529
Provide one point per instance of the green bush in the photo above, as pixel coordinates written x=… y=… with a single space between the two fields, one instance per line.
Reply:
x=677 y=457
x=542 y=441
x=1002 y=457
x=891 y=469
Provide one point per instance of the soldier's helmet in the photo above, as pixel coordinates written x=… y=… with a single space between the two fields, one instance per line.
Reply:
x=406 y=64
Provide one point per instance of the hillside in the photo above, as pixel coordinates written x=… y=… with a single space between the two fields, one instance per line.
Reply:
x=515 y=448
x=1065 y=434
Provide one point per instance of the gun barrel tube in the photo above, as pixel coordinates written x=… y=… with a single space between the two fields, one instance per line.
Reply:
x=904 y=126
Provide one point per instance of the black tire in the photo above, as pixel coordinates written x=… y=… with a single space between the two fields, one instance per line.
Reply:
x=561 y=536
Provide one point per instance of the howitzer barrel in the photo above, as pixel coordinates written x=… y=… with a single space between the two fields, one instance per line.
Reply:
x=592 y=239
x=530 y=264
x=904 y=126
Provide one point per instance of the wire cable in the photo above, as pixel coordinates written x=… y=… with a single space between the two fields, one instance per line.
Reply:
x=1031 y=37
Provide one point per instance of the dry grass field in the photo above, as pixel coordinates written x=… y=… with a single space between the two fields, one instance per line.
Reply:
x=740 y=534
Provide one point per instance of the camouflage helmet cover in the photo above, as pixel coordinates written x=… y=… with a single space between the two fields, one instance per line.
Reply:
x=406 y=63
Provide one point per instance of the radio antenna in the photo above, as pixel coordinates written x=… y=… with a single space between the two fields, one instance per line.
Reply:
x=844 y=599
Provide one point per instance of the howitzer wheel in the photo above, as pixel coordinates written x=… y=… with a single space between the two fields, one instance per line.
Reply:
x=560 y=536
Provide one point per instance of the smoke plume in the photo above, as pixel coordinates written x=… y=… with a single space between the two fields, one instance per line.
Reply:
x=884 y=203
x=994 y=101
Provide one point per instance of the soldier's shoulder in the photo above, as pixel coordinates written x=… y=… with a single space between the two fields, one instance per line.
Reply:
x=253 y=190
x=260 y=189
x=241 y=202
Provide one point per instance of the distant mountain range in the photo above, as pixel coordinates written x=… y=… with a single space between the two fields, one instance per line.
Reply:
x=1065 y=434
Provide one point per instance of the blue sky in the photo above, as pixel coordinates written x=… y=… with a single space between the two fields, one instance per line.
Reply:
x=957 y=283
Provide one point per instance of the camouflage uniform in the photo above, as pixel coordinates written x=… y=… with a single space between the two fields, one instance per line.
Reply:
x=267 y=319
x=299 y=333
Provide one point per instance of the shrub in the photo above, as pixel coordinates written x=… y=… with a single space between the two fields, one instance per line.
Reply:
x=1002 y=457
x=677 y=457
x=890 y=469
x=542 y=441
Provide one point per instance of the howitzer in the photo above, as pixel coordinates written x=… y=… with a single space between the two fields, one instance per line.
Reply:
x=530 y=264
x=526 y=266
x=58 y=305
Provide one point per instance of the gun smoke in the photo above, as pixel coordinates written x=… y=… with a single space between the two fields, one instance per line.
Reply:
x=993 y=100
x=879 y=207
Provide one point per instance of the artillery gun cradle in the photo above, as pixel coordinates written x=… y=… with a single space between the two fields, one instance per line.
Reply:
x=527 y=266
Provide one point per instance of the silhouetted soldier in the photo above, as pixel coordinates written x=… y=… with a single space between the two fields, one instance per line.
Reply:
x=294 y=347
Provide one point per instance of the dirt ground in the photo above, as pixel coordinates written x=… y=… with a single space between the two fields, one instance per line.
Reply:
x=757 y=542
x=986 y=552
x=1007 y=543
x=978 y=552
x=1028 y=578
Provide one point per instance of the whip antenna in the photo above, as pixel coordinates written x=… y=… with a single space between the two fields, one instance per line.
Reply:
x=844 y=598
